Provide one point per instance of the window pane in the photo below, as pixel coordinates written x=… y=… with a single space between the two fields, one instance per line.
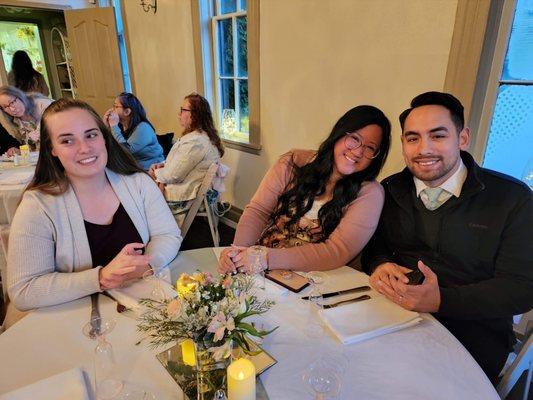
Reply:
x=519 y=58
x=228 y=123
x=243 y=5
x=225 y=47
x=228 y=6
x=242 y=47
x=510 y=139
x=243 y=105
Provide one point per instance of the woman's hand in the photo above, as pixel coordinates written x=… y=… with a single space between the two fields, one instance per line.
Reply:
x=111 y=118
x=12 y=151
x=153 y=167
x=128 y=264
x=225 y=263
x=384 y=278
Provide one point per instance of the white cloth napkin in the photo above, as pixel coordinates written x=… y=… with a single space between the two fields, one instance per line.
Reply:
x=355 y=322
x=68 y=385
x=14 y=177
x=130 y=295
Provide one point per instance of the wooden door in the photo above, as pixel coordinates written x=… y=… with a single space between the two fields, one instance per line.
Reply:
x=95 y=55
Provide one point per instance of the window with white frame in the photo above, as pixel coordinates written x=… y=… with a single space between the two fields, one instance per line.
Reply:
x=510 y=134
x=230 y=63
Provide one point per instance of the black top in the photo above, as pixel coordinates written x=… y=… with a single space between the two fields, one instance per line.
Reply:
x=7 y=141
x=106 y=241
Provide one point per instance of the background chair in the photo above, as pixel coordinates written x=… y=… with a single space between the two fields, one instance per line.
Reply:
x=208 y=210
x=522 y=363
x=165 y=140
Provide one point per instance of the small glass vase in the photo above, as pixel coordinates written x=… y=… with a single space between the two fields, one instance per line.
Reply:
x=210 y=374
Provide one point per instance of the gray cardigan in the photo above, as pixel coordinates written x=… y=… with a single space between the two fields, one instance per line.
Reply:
x=49 y=259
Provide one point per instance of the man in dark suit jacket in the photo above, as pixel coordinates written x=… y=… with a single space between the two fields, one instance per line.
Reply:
x=468 y=230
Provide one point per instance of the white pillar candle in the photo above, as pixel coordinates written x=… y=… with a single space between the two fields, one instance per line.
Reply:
x=241 y=380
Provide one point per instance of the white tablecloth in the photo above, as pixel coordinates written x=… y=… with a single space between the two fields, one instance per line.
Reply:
x=421 y=362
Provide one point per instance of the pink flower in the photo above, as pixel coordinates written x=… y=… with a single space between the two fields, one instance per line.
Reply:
x=219 y=324
x=226 y=282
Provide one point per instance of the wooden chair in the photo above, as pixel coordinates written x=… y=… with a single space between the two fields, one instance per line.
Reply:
x=523 y=362
x=208 y=210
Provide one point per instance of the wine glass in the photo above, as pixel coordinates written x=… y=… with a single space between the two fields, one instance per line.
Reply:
x=322 y=379
x=313 y=327
x=153 y=278
x=107 y=381
x=257 y=264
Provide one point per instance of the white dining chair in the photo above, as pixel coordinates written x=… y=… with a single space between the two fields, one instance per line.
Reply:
x=523 y=362
x=208 y=209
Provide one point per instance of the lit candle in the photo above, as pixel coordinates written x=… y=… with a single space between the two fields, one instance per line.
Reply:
x=241 y=380
x=187 y=352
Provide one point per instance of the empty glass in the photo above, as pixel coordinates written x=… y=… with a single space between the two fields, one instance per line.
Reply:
x=257 y=264
x=107 y=380
x=322 y=380
x=153 y=278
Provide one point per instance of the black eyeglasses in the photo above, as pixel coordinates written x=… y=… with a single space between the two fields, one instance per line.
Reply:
x=184 y=109
x=353 y=141
x=10 y=104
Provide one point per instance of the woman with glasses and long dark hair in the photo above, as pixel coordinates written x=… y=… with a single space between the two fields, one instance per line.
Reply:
x=90 y=219
x=182 y=173
x=24 y=76
x=132 y=129
x=316 y=210
x=20 y=113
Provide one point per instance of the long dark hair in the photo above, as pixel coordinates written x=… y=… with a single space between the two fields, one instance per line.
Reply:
x=137 y=114
x=50 y=175
x=202 y=119
x=23 y=71
x=309 y=181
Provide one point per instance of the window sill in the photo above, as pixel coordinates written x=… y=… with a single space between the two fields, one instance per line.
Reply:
x=246 y=147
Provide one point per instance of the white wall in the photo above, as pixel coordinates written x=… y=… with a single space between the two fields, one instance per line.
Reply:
x=319 y=58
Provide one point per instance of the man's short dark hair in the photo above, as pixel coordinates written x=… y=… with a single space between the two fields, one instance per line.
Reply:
x=446 y=100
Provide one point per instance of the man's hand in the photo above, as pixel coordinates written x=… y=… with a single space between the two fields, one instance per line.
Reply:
x=421 y=298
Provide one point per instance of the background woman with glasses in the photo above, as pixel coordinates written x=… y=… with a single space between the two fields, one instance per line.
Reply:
x=316 y=210
x=182 y=173
x=132 y=129
x=20 y=113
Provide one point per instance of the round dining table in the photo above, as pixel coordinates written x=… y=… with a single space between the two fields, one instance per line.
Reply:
x=420 y=362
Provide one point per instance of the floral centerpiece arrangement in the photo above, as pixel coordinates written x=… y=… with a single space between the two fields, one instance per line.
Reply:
x=212 y=312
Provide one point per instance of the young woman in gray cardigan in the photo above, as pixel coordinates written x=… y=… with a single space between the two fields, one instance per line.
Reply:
x=90 y=220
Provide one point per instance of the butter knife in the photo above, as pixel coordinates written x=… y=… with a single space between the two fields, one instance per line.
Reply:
x=346 y=291
x=354 y=300
x=95 y=316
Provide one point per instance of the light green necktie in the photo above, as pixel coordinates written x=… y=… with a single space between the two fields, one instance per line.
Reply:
x=433 y=195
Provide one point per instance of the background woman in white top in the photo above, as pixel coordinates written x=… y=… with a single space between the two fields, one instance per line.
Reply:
x=20 y=113
x=182 y=173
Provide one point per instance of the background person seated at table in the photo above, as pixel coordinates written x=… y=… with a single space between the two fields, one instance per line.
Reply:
x=182 y=173
x=315 y=210
x=129 y=125
x=85 y=216
x=20 y=113
x=24 y=76
x=466 y=228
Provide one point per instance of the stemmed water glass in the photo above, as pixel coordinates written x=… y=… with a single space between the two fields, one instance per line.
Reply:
x=106 y=376
x=322 y=379
x=153 y=278
x=313 y=327
x=257 y=264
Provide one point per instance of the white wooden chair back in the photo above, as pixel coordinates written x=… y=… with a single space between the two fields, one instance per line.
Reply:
x=523 y=362
x=200 y=199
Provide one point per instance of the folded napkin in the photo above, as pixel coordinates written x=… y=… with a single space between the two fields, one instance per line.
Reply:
x=363 y=320
x=68 y=385
x=16 y=177
x=130 y=295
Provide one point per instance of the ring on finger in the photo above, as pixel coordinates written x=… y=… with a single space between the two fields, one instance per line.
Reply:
x=400 y=299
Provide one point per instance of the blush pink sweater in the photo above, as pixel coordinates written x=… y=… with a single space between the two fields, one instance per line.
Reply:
x=355 y=228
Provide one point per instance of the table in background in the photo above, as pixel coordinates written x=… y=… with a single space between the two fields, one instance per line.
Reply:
x=421 y=362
